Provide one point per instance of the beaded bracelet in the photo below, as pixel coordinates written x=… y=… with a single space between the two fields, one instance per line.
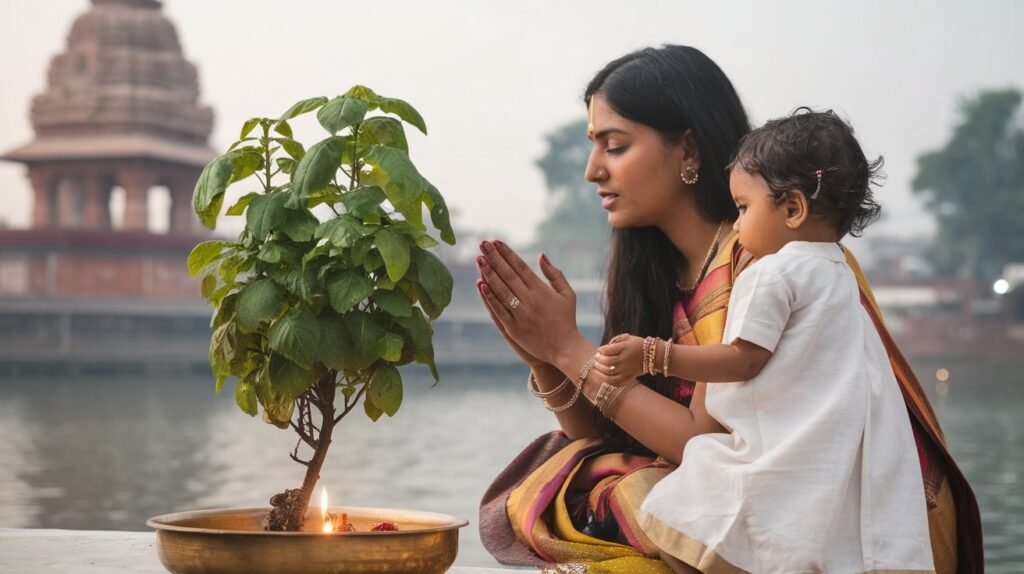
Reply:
x=648 y=359
x=531 y=383
x=651 y=369
x=579 y=388
x=572 y=401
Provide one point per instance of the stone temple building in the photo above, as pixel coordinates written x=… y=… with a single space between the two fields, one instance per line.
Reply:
x=120 y=140
x=117 y=129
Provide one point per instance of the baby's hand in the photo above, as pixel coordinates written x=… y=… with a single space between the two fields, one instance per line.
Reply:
x=621 y=360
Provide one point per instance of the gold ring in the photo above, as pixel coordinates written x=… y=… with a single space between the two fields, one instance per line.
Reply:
x=513 y=303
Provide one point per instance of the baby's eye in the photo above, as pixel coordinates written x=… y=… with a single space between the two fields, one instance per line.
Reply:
x=741 y=208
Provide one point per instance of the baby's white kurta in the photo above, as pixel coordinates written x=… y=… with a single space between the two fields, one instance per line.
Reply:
x=820 y=471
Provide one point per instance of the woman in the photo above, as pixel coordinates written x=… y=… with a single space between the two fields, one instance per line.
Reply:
x=664 y=124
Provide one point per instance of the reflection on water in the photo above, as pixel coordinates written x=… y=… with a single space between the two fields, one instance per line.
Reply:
x=100 y=454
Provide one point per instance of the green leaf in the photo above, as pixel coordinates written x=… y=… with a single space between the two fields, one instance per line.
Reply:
x=384 y=131
x=302 y=283
x=286 y=165
x=394 y=303
x=426 y=242
x=318 y=167
x=390 y=347
x=371 y=410
x=341 y=112
x=335 y=344
x=244 y=164
x=296 y=336
x=299 y=224
x=303 y=107
x=363 y=201
x=363 y=93
x=439 y=214
x=386 y=390
x=258 y=302
x=245 y=397
x=277 y=408
x=364 y=331
x=221 y=352
x=347 y=289
x=286 y=378
x=284 y=128
x=403 y=110
x=408 y=186
x=434 y=277
x=208 y=196
x=204 y=254
x=239 y=207
x=271 y=252
x=342 y=231
x=291 y=147
x=209 y=285
x=248 y=126
x=394 y=248
x=421 y=334
x=266 y=213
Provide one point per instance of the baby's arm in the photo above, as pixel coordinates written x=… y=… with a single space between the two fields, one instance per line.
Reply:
x=736 y=362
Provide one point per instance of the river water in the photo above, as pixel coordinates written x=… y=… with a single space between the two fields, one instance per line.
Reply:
x=106 y=453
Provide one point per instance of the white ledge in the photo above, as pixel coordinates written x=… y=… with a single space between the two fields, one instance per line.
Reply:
x=38 y=551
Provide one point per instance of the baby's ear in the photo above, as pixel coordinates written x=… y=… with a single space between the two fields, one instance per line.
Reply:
x=797 y=208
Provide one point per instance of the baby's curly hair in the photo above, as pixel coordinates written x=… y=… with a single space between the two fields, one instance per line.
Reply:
x=788 y=152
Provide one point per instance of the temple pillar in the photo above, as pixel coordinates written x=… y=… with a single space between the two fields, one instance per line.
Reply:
x=96 y=211
x=42 y=197
x=136 y=186
x=183 y=219
x=69 y=202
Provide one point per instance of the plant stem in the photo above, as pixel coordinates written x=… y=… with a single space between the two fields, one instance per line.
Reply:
x=325 y=389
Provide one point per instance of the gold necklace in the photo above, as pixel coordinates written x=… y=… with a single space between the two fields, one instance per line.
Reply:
x=703 y=268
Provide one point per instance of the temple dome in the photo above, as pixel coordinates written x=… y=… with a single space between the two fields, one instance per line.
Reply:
x=122 y=73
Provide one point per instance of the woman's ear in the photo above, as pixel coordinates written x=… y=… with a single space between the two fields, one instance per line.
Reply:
x=691 y=154
x=797 y=209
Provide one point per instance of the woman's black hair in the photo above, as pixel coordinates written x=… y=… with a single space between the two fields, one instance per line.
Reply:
x=790 y=152
x=672 y=89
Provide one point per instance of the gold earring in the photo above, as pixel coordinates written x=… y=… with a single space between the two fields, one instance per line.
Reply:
x=694 y=175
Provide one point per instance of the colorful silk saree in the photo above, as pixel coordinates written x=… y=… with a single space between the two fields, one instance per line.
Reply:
x=570 y=506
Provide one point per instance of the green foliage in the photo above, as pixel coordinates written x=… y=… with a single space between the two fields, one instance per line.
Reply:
x=975 y=188
x=300 y=299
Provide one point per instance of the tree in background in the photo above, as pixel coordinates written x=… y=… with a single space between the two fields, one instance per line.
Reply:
x=575 y=233
x=975 y=188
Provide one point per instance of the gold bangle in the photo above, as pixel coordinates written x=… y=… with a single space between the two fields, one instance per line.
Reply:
x=531 y=383
x=612 y=405
x=664 y=366
x=572 y=401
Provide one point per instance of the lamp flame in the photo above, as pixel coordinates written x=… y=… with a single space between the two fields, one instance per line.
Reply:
x=328 y=522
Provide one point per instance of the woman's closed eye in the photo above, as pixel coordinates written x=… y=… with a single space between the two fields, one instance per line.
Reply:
x=615 y=150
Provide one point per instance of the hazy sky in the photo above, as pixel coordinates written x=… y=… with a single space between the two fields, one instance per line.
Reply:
x=491 y=78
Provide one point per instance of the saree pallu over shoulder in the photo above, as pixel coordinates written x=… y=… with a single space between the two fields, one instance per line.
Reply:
x=953 y=517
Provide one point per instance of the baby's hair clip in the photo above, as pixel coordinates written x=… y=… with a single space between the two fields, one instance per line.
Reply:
x=817 y=189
